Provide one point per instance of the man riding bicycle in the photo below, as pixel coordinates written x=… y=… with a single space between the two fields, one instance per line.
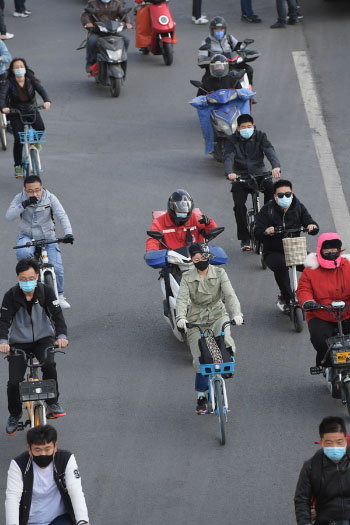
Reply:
x=31 y=320
x=244 y=155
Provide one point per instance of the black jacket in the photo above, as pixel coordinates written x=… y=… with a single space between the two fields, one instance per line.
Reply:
x=227 y=82
x=46 y=319
x=246 y=156
x=9 y=97
x=273 y=215
x=333 y=490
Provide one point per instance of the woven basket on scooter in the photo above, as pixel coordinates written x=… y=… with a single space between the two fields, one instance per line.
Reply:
x=294 y=250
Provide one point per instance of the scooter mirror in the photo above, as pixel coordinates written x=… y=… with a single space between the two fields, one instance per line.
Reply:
x=215 y=232
x=248 y=41
x=155 y=235
x=204 y=47
x=196 y=83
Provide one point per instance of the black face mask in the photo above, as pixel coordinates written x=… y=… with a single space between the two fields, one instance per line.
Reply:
x=202 y=265
x=330 y=256
x=43 y=461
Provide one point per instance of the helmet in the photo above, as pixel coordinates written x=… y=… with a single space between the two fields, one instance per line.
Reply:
x=219 y=66
x=180 y=207
x=217 y=23
x=326 y=241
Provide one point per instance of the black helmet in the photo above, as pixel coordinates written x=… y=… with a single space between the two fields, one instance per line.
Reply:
x=219 y=66
x=180 y=207
x=217 y=23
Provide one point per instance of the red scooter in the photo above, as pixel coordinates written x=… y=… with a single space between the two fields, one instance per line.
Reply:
x=155 y=29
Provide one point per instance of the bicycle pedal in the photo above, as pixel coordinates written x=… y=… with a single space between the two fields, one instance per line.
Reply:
x=316 y=370
x=21 y=426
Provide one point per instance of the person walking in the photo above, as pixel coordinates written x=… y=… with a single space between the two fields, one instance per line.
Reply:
x=197 y=17
x=248 y=14
x=4 y=35
x=281 y=6
x=20 y=9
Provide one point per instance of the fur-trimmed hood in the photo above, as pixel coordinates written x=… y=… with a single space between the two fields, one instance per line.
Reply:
x=311 y=260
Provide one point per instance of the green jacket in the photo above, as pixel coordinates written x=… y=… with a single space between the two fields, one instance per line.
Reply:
x=205 y=296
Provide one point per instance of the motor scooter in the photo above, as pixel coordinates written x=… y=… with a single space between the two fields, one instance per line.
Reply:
x=155 y=29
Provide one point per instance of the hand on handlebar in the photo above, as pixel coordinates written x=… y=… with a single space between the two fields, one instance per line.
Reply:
x=89 y=25
x=128 y=26
x=238 y=319
x=232 y=177
x=309 y=306
x=270 y=230
x=61 y=343
x=182 y=324
x=276 y=173
x=311 y=227
x=6 y=111
x=4 y=348
x=68 y=239
x=47 y=105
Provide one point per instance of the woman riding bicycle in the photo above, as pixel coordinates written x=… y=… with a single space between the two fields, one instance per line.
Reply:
x=326 y=278
x=18 y=93
x=205 y=286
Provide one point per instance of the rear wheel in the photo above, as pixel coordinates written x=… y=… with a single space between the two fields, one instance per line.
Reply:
x=3 y=132
x=298 y=319
x=220 y=411
x=144 y=50
x=168 y=53
x=347 y=395
x=116 y=84
x=34 y=157
x=39 y=415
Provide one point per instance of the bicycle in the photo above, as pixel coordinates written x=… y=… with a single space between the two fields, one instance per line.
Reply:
x=35 y=391
x=46 y=269
x=216 y=372
x=30 y=138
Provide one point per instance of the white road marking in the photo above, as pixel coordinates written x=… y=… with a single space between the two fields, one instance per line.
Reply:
x=331 y=177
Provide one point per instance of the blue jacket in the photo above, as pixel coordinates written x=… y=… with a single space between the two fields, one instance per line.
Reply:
x=5 y=57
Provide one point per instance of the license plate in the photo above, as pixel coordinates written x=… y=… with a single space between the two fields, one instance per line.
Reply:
x=343 y=357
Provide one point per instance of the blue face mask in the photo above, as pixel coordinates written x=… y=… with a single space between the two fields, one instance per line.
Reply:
x=27 y=286
x=219 y=35
x=105 y=1
x=181 y=215
x=334 y=453
x=285 y=202
x=246 y=133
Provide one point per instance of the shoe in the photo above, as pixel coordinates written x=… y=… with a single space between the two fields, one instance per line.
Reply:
x=202 y=405
x=253 y=19
x=55 y=410
x=18 y=172
x=282 y=305
x=63 y=302
x=245 y=246
x=7 y=36
x=26 y=12
x=202 y=16
x=278 y=25
x=12 y=424
x=37 y=145
x=22 y=15
x=292 y=22
x=200 y=21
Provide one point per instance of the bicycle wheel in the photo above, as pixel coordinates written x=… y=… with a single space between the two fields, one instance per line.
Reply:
x=39 y=415
x=347 y=395
x=298 y=319
x=48 y=280
x=220 y=411
x=34 y=157
x=3 y=133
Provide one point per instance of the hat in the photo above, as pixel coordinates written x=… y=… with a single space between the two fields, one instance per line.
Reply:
x=197 y=247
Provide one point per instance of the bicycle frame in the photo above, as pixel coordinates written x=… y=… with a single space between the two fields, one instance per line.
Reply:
x=28 y=138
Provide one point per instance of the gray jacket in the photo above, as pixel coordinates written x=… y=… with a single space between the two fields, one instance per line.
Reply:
x=226 y=45
x=36 y=220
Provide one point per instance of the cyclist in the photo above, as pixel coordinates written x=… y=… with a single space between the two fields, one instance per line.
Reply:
x=104 y=10
x=205 y=286
x=244 y=155
x=284 y=211
x=18 y=92
x=325 y=479
x=32 y=320
x=44 y=484
x=36 y=207
x=326 y=278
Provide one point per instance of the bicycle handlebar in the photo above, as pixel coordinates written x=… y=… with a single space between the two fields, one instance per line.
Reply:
x=195 y=325
x=27 y=356
x=15 y=111
x=39 y=242
x=330 y=309
x=248 y=176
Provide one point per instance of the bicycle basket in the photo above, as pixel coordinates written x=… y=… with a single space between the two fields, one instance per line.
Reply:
x=213 y=349
x=339 y=350
x=218 y=368
x=31 y=136
x=294 y=250
x=38 y=390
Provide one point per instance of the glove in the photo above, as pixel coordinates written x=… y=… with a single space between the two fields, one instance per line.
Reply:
x=68 y=239
x=238 y=319
x=309 y=306
x=204 y=220
x=182 y=324
x=28 y=202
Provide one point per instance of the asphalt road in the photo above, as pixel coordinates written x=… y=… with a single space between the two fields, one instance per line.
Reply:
x=127 y=384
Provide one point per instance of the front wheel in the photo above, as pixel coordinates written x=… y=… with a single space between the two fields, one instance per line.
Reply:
x=298 y=319
x=3 y=132
x=220 y=411
x=34 y=157
x=168 y=53
x=39 y=418
x=49 y=281
x=347 y=395
x=116 y=84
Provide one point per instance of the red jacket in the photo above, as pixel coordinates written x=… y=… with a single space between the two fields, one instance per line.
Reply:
x=324 y=286
x=175 y=236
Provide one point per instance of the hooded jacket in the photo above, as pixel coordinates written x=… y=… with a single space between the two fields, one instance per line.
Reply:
x=324 y=285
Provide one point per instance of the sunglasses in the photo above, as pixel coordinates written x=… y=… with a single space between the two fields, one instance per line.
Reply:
x=288 y=194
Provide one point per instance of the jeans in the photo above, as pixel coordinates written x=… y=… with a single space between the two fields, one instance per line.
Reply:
x=246 y=7
x=62 y=520
x=17 y=369
x=3 y=29
x=282 y=10
x=17 y=126
x=92 y=44
x=20 y=6
x=320 y=330
x=196 y=8
x=53 y=253
x=201 y=383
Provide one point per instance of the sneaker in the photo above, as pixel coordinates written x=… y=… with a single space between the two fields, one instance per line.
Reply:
x=292 y=22
x=202 y=406
x=200 y=21
x=7 y=36
x=26 y=12
x=63 y=302
x=55 y=410
x=18 y=172
x=22 y=15
x=282 y=305
x=12 y=424
x=278 y=25
x=202 y=16
x=245 y=246
x=37 y=145
x=253 y=19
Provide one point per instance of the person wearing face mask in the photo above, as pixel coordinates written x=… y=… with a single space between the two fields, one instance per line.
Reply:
x=245 y=151
x=204 y=288
x=18 y=92
x=220 y=77
x=285 y=211
x=44 y=484
x=32 y=320
x=326 y=278
x=325 y=479
x=36 y=208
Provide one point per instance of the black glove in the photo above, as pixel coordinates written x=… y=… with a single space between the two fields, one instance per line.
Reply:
x=204 y=220
x=68 y=239
x=308 y=306
x=28 y=202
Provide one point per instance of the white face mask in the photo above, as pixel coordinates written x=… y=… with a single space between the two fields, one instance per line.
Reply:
x=19 y=71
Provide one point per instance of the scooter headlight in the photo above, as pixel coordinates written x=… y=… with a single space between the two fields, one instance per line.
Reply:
x=163 y=20
x=114 y=55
